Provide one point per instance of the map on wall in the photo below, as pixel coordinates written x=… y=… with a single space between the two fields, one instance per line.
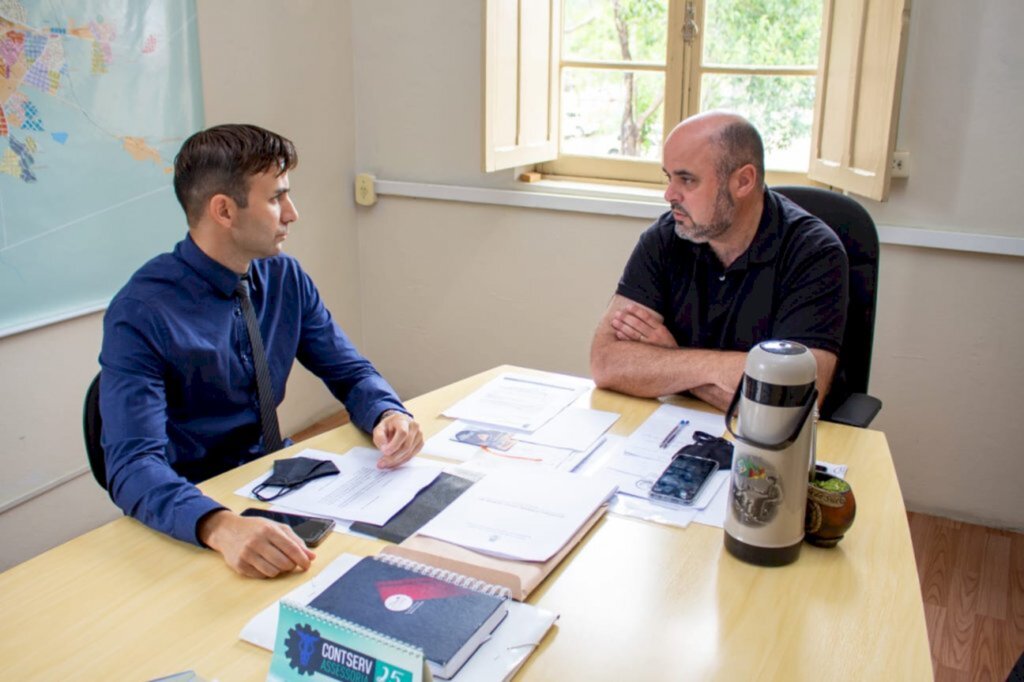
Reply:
x=96 y=97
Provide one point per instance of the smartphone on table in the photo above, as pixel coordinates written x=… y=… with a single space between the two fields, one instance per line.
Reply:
x=311 y=529
x=683 y=479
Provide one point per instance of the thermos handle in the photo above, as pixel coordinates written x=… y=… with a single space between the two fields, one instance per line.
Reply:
x=730 y=416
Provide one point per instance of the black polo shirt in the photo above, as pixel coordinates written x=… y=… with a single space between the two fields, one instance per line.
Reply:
x=791 y=283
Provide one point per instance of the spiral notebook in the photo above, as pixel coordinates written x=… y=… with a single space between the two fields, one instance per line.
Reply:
x=446 y=614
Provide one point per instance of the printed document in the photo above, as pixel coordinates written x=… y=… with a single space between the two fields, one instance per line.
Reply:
x=519 y=514
x=360 y=491
x=520 y=401
x=464 y=441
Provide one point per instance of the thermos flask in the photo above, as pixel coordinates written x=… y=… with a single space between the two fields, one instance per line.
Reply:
x=774 y=453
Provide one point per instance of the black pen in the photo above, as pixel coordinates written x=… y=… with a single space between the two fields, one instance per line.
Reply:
x=674 y=432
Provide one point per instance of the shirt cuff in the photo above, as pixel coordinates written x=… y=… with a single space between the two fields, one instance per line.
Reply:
x=385 y=412
x=187 y=523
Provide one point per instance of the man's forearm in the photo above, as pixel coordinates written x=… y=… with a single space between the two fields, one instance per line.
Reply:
x=650 y=371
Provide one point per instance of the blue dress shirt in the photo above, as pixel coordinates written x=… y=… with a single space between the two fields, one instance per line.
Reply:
x=178 y=387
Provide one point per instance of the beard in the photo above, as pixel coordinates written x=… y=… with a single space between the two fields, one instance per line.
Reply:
x=721 y=219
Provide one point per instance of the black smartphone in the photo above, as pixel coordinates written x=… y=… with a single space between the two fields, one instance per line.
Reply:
x=683 y=479
x=311 y=529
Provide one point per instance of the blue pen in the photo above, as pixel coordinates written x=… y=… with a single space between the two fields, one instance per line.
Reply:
x=674 y=432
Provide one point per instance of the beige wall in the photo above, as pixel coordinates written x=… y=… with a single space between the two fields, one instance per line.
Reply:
x=289 y=71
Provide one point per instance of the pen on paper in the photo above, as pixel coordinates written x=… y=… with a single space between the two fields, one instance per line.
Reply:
x=673 y=433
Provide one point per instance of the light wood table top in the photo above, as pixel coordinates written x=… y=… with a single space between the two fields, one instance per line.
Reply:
x=637 y=600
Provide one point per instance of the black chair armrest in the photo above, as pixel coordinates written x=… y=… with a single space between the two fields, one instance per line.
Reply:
x=857 y=410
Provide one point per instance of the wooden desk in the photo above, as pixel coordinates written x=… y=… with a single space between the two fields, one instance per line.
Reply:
x=637 y=600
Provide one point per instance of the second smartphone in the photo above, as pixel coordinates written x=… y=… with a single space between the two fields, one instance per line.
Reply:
x=683 y=479
x=310 y=529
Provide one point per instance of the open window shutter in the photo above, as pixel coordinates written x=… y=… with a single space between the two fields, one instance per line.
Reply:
x=860 y=76
x=521 y=82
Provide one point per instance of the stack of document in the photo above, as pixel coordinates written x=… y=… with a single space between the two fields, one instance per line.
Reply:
x=522 y=420
x=524 y=515
x=498 y=658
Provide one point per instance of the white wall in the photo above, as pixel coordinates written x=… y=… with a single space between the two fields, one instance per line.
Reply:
x=289 y=71
x=472 y=286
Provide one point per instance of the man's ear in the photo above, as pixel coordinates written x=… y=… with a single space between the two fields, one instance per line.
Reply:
x=744 y=181
x=222 y=209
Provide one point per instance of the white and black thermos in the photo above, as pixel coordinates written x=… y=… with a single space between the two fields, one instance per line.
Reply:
x=774 y=453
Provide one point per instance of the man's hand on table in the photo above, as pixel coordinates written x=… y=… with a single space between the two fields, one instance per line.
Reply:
x=253 y=546
x=398 y=437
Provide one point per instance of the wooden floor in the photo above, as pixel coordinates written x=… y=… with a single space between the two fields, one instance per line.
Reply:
x=972 y=582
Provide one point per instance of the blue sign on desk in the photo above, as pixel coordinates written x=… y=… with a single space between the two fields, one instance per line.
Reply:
x=313 y=645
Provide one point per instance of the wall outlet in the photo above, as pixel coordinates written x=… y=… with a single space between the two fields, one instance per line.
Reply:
x=900 y=165
x=366 y=194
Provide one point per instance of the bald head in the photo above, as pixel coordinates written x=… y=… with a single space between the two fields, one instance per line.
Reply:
x=733 y=141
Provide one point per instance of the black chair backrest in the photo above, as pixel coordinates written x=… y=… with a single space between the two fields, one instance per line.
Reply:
x=92 y=426
x=857 y=231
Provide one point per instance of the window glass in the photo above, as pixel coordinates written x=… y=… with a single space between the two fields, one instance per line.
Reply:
x=781 y=107
x=615 y=30
x=762 y=32
x=612 y=113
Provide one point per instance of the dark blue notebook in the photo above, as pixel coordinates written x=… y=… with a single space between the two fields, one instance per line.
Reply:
x=447 y=615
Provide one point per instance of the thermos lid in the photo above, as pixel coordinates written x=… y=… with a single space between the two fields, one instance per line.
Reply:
x=787 y=363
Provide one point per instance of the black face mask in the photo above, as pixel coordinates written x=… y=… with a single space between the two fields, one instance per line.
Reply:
x=710 y=447
x=293 y=473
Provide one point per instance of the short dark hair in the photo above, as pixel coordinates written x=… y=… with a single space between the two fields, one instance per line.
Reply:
x=740 y=144
x=221 y=159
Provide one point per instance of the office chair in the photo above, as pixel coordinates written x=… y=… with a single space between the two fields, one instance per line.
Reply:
x=92 y=426
x=848 y=401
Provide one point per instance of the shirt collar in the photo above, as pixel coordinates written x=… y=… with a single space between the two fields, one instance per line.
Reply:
x=765 y=245
x=222 y=279
x=766 y=242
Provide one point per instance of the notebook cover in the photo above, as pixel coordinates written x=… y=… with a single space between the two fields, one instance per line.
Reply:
x=437 y=616
x=427 y=504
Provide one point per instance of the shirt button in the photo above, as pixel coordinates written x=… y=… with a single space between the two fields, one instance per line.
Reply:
x=721 y=278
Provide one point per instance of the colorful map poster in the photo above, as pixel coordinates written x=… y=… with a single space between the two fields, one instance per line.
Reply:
x=96 y=97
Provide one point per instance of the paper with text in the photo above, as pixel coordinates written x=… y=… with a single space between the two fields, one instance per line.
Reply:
x=360 y=491
x=520 y=401
x=517 y=514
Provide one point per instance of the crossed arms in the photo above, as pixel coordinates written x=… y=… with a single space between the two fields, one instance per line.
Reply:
x=633 y=352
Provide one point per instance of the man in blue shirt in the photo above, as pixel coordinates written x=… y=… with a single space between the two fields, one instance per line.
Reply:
x=178 y=387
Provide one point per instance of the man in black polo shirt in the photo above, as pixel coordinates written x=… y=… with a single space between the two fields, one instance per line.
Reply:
x=731 y=265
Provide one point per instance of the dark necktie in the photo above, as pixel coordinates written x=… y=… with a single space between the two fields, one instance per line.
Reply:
x=265 y=391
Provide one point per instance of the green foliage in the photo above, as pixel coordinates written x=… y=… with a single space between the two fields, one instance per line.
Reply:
x=736 y=33
x=589 y=30
x=762 y=32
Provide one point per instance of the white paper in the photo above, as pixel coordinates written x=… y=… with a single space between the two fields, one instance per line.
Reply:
x=650 y=437
x=360 y=491
x=606 y=448
x=520 y=514
x=497 y=658
x=445 y=444
x=575 y=428
x=520 y=401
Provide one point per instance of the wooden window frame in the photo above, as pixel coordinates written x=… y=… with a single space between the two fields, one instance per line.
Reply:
x=859 y=78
